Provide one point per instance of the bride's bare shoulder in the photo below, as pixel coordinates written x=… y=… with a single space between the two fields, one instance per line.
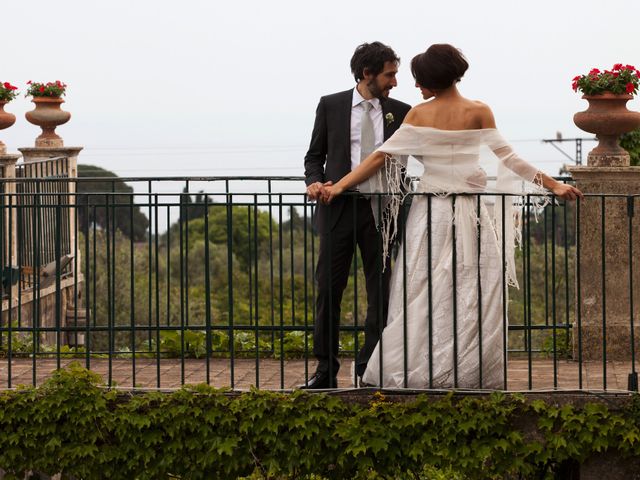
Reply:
x=415 y=115
x=482 y=113
x=479 y=106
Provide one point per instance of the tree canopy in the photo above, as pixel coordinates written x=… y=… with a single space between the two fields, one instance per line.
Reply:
x=93 y=197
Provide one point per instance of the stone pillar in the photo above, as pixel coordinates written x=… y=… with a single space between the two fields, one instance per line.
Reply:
x=8 y=165
x=605 y=308
x=35 y=164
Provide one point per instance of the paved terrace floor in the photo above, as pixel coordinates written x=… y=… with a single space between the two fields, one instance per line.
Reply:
x=275 y=375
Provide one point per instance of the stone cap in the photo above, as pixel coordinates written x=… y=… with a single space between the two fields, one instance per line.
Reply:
x=607 y=180
x=587 y=168
x=611 y=173
x=32 y=154
x=9 y=158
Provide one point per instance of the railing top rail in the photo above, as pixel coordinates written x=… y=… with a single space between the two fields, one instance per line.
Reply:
x=159 y=179
x=195 y=179
x=236 y=198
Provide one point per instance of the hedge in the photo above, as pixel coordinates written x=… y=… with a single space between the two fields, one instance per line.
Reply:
x=71 y=424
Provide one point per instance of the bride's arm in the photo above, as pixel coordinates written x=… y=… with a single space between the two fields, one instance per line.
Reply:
x=514 y=163
x=560 y=189
x=366 y=169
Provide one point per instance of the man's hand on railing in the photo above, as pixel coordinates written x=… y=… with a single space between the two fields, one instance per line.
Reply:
x=330 y=192
x=315 y=190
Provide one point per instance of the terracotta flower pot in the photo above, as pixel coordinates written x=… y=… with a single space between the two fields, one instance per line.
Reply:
x=6 y=120
x=48 y=115
x=608 y=117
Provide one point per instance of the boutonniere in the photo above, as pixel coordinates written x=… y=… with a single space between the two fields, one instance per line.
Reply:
x=389 y=118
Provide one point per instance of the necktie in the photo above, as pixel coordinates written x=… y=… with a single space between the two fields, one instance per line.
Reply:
x=367 y=142
x=367 y=134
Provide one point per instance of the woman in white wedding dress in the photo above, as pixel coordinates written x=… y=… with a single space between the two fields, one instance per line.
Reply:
x=453 y=340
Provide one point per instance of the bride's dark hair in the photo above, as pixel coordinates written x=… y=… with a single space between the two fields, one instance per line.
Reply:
x=439 y=67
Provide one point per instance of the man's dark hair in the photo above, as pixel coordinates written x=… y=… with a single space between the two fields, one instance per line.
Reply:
x=371 y=56
x=439 y=67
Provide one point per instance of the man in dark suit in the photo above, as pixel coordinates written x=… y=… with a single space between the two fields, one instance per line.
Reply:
x=348 y=127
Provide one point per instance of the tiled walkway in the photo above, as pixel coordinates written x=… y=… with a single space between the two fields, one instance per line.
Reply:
x=273 y=374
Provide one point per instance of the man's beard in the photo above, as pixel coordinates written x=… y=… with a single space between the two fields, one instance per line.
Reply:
x=377 y=91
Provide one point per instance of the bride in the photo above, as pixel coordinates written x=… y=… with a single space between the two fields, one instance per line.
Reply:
x=447 y=310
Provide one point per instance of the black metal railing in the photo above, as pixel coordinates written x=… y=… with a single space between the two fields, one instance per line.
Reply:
x=41 y=207
x=185 y=280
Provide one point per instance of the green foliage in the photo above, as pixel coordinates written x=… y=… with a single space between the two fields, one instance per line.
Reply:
x=19 y=342
x=287 y=344
x=21 y=345
x=95 y=195
x=631 y=143
x=168 y=287
x=73 y=426
x=560 y=343
x=246 y=236
x=191 y=209
x=190 y=343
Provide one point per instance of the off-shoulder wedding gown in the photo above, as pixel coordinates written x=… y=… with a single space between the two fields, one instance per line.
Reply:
x=447 y=313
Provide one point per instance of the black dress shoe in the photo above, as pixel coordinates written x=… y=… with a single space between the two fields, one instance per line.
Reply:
x=320 y=381
x=362 y=384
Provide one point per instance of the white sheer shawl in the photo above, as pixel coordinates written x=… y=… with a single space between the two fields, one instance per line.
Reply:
x=453 y=162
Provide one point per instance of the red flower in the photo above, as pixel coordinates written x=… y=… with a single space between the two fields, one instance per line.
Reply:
x=594 y=71
x=29 y=82
x=7 y=85
x=577 y=77
x=41 y=89
x=574 y=85
x=630 y=87
x=617 y=66
x=630 y=67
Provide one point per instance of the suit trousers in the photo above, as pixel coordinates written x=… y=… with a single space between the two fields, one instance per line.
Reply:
x=355 y=225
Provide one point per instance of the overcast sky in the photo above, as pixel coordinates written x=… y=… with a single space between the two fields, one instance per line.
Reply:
x=214 y=88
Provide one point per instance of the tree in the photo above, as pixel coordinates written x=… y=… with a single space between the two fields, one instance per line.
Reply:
x=631 y=142
x=247 y=238
x=93 y=197
x=192 y=209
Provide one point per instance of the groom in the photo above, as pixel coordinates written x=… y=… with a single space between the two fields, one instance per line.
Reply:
x=349 y=125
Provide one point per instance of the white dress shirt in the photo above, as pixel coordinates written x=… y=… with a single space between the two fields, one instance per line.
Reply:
x=356 y=115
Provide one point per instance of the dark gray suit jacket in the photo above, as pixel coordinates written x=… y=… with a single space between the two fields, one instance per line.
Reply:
x=329 y=154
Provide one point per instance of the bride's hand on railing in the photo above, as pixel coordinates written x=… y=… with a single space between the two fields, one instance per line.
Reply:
x=566 y=192
x=329 y=192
